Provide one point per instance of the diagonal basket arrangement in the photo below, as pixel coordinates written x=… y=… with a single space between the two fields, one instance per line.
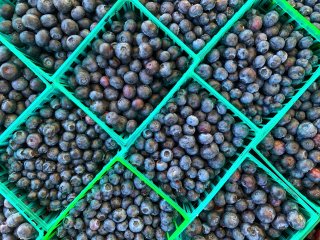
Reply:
x=47 y=224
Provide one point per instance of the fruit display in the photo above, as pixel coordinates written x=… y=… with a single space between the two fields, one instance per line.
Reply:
x=161 y=119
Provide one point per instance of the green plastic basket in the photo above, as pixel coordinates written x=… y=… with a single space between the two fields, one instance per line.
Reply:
x=259 y=155
x=228 y=169
x=47 y=224
x=34 y=63
x=294 y=12
x=27 y=110
x=264 y=6
x=41 y=219
x=311 y=216
x=26 y=217
x=100 y=29
x=127 y=165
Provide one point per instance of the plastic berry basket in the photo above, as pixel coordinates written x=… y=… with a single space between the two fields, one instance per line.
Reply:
x=258 y=153
x=34 y=63
x=299 y=24
x=312 y=203
x=41 y=218
x=118 y=160
x=312 y=218
x=232 y=163
x=39 y=97
x=26 y=217
x=294 y=12
x=101 y=28
x=231 y=9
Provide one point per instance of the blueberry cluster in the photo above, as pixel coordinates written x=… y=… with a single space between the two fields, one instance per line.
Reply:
x=188 y=143
x=294 y=144
x=18 y=87
x=250 y=206
x=51 y=29
x=127 y=72
x=57 y=153
x=121 y=206
x=195 y=22
x=13 y=226
x=310 y=9
x=259 y=63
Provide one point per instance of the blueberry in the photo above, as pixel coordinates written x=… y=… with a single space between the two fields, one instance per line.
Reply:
x=266 y=213
x=195 y=10
x=306 y=130
x=280 y=222
x=240 y=130
x=259 y=197
x=123 y=51
x=149 y=29
x=296 y=220
x=270 y=18
x=69 y=27
x=26 y=231
x=230 y=220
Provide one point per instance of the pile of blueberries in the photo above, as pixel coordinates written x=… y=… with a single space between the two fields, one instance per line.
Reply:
x=50 y=30
x=57 y=152
x=121 y=206
x=249 y=206
x=127 y=72
x=293 y=146
x=310 y=9
x=18 y=87
x=188 y=143
x=13 y=225
x=194 y=22
x=259 y=63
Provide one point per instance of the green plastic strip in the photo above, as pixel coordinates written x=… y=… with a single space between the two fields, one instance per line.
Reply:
x=116 y=159
x=303 y=22
x=314 y=217
x=64 y=213
x=156 y=21
x=36 y=69
x=20 y=206
x=35 y=104
x=226 y=103
x=225 y=29
x=77 y=102
x=65 y=66
x=154 y=187
x=80 y=49
x=274 y=169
